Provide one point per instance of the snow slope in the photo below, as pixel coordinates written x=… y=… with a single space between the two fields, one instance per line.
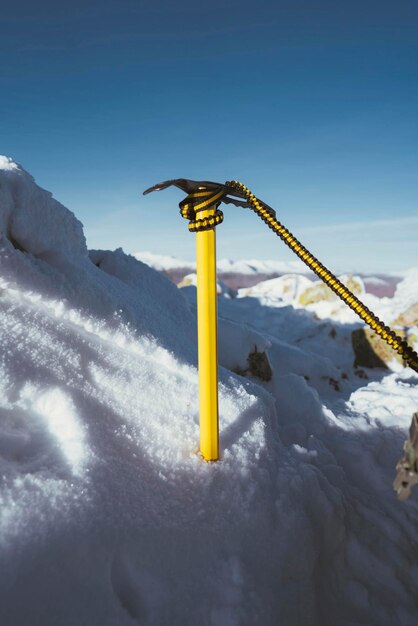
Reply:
x=109 y=516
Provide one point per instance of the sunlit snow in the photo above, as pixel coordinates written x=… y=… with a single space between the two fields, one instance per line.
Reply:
x=108 y=514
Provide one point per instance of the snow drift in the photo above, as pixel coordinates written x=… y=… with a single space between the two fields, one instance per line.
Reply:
x=108 y=514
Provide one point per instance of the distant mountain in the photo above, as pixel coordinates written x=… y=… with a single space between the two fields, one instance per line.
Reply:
x=225 y=266
x=162 y=262
x=246 y=273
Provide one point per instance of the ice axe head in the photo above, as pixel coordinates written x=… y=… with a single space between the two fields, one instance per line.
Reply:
x=193 y=186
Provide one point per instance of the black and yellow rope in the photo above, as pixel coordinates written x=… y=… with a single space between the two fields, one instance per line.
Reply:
x=202 y=200
x=207 y=196
x=386 y=333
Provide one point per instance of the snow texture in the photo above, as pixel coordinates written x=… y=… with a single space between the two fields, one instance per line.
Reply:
x=108 y=515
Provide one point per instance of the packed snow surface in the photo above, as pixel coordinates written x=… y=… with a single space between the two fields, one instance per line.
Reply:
x=108 y=515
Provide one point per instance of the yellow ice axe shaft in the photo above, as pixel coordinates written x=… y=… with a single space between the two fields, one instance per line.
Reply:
x=207 y=339
x=200 y=208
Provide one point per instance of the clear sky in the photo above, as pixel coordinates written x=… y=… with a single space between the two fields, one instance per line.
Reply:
x=313 y=105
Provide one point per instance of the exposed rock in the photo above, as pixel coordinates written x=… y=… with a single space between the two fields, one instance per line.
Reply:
x=319 y=291
x=258 y=366
x=408 y=317
x=332 y=382
x=370 y=350
x=360 y=373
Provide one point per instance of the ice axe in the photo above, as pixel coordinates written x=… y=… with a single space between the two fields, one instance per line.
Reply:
x=200 y=207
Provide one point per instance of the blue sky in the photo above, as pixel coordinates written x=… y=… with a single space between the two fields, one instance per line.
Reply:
x=313 y=105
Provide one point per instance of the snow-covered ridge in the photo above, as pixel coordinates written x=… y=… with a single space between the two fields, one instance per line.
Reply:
x=33 y=220
x=247 y=273
x=7 y=164
x=163 y=262
x=225 y=266
x=255 y=266
x=98 y=422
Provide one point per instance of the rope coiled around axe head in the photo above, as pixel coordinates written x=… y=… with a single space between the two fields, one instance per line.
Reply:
x=202 y=200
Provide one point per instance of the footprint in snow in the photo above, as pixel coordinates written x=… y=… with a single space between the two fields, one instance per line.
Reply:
x=126 y=587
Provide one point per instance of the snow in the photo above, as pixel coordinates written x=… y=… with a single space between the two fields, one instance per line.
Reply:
x=253 y=266
x=56 y=409
x=162 y=262
x=288 y=289
x=7 y=164
x=283 y=290
x=27 y=210
x=385 y=402
x=108 y=514
x=407 y=291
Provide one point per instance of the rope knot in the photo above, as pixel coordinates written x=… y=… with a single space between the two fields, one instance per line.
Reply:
x=202 y=200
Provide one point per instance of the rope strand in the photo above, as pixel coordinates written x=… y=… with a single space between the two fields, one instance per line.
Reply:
x=386 y=333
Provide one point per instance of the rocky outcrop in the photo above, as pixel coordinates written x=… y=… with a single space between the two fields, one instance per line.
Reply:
x=258 y=366
x=408 y=318
x=319 y=292
x=372 y=351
